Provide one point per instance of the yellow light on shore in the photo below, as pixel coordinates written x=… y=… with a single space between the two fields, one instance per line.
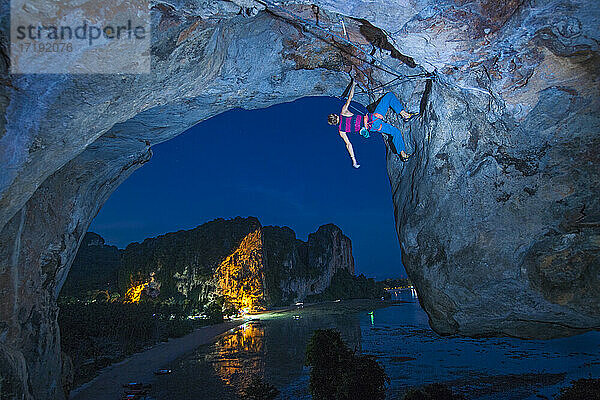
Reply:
x=134 y=293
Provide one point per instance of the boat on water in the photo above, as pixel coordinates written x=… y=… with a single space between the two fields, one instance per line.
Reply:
x=135 y=391
x=162 y=372
x=136 y=385
x=133 y=397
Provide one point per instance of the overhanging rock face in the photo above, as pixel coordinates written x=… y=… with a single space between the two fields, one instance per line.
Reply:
x=497 y=213
x=499 y=226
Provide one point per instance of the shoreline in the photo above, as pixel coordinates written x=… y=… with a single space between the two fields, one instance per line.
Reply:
x=140 y=367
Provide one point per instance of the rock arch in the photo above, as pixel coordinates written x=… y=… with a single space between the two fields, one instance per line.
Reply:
x=497 y=213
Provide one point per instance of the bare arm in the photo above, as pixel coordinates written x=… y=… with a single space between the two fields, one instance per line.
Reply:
x=350 y=96
x=349 y=148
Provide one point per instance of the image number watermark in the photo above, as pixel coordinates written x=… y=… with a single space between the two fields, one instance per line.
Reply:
x=58 y=37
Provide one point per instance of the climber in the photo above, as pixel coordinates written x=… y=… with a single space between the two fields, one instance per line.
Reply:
x=371 y=122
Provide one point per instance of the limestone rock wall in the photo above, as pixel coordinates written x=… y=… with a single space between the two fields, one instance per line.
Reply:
x=241 y=276
x=38 y=245
x=496 y=213
x=248 y=264
x=297 y=269
x=184 y=262
x=510 y=246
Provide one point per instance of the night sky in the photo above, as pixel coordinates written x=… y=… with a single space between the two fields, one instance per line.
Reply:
x=282 y=164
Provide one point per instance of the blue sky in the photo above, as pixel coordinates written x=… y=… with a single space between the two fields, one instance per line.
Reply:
x=282 y=164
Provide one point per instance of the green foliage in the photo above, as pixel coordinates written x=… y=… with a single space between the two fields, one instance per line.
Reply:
x=435 y=391
x=99 y=333
x=189 y=258
x=347 y=286
x=229 y=309
x=214 y=312
x=102 y=296
x=588 y=389
x=199 y=251
x=94 y=268
x=138 y=324
x=339 y=374
x=367 y=379
x=258 y=389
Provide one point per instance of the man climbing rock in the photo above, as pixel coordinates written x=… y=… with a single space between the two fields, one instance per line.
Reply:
x=348 y=122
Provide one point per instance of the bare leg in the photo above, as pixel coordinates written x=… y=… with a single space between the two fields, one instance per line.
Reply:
x=352 y=156
x=350 y=149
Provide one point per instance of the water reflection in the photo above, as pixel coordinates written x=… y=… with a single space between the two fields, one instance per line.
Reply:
x=239 y=355
x=399 y=337
x=275 y=349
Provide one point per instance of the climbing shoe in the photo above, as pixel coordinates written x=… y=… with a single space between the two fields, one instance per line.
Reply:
x=405 y=157
x=411 y=115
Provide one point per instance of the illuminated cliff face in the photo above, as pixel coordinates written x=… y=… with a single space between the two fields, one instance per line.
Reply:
x=150 y=288
x=240 y=277
x=134 y=293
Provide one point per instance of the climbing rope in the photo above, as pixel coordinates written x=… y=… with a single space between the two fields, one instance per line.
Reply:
x=398 y=80
x=388 y=69
x=399 y=77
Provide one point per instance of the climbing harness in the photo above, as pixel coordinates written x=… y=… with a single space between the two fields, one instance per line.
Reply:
x=398 y=79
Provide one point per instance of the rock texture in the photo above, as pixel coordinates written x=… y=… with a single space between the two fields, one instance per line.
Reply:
x=185 y=262
x=296 y=270
x=497 y=212
x=239 y=259
x=511 y=245
x=240 y=278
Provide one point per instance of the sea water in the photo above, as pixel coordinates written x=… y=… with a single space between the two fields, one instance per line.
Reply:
x=400 y=338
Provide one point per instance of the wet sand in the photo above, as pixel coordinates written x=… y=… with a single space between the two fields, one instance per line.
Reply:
x=140 y=367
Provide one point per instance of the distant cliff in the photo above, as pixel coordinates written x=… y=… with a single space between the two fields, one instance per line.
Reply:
x=95 y=267
x=238 y=260
x=295 y=269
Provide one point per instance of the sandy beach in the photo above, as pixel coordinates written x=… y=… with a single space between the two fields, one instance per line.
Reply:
x=140 y=367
